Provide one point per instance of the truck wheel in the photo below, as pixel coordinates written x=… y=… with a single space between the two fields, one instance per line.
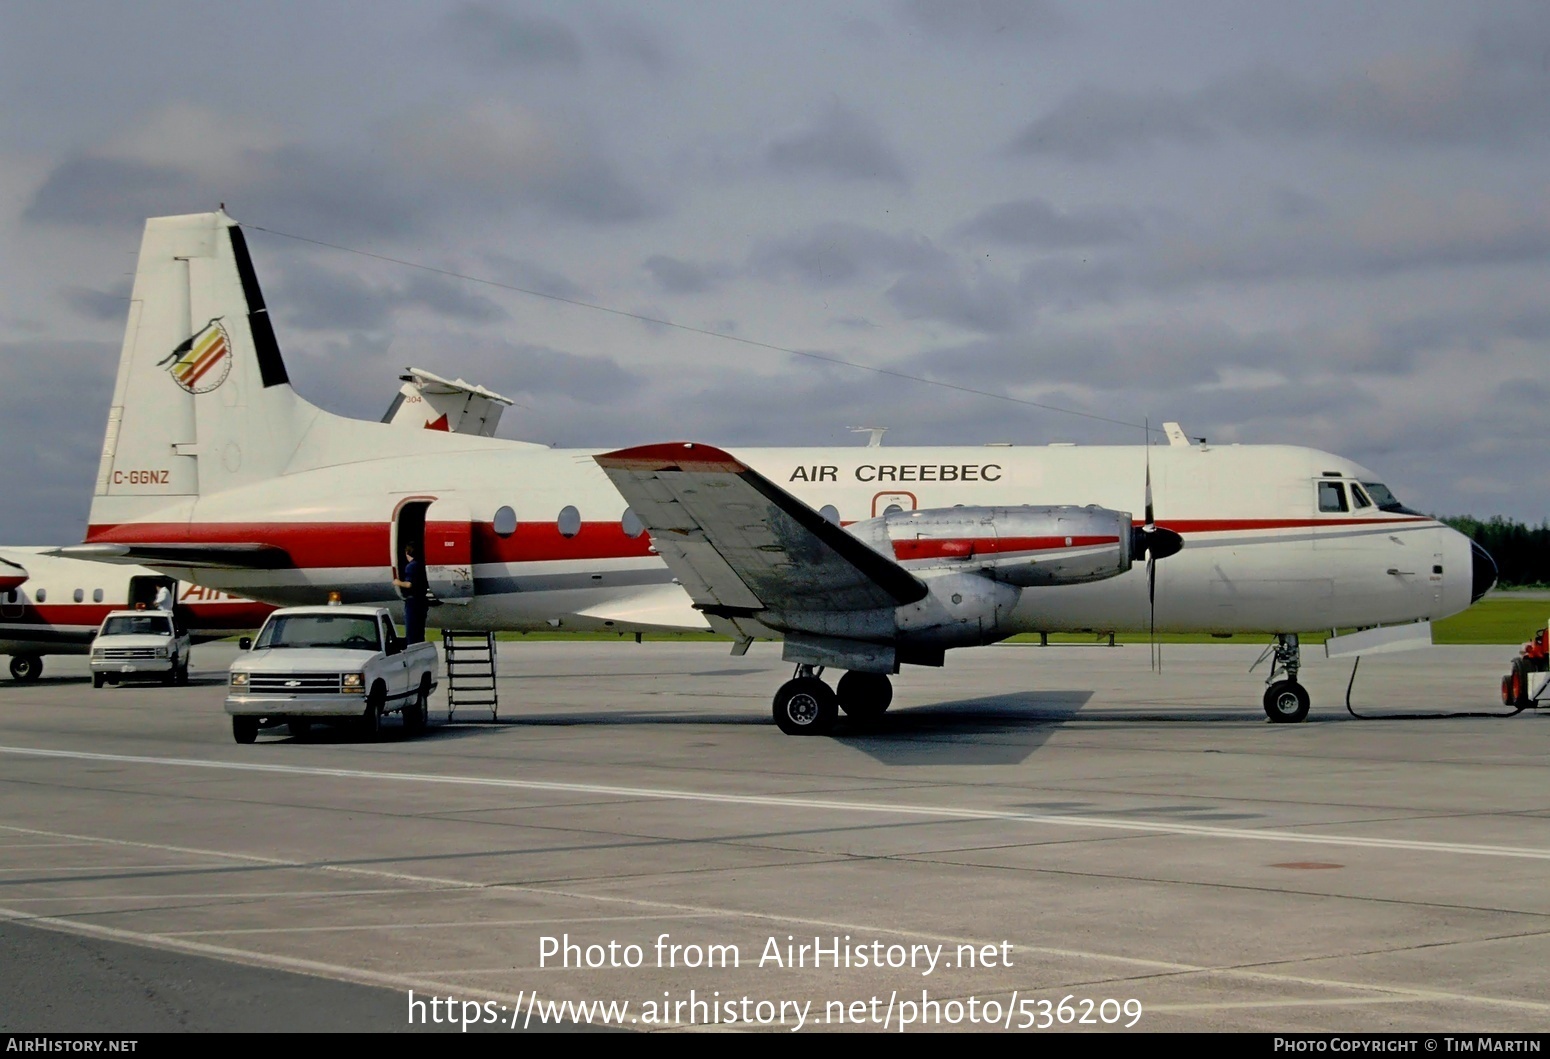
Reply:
x=244 y=729
x=182 y=674
x=97 y=680
x=298 y=726
x=415 y=712
x=371 y=719
x=25 y=668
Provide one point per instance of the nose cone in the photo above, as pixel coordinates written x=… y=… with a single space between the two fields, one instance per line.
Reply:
x=1482 y=572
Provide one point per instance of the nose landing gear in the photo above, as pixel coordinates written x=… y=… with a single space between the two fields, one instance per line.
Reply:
x=1286 y=701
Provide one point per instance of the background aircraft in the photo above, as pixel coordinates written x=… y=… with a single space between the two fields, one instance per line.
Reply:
x=215 y=470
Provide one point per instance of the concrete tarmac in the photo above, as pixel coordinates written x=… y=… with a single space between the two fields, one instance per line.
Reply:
x=1027 y=828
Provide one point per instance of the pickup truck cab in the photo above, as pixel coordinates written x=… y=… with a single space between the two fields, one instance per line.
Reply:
x=330 y=663
x=139 y=645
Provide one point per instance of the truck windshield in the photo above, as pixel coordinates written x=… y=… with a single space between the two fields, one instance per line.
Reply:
x=319 y=630
x=137 y=625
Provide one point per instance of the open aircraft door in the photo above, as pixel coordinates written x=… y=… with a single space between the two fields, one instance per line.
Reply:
x=449 y=551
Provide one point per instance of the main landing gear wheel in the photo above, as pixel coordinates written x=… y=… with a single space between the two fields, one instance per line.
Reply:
x=244 y=729
x=1286 y=702
x=25 y=668
x=805 y=706
x=864 y=696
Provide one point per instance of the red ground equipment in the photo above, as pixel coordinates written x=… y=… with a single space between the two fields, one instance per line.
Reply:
x=1525 y=684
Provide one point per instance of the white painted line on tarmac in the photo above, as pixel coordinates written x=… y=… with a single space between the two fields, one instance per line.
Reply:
x=930 y=812
x=1144 y=966
x=459 y=925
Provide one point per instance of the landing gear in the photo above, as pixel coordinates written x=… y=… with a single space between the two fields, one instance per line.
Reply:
x=864 y=696
x=1286 y=701
x=805 y=705
x=26 y=668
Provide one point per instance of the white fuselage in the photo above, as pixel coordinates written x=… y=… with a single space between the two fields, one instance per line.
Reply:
x=1259 y=555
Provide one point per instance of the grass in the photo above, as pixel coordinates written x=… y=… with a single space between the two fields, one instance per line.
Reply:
x=1498 y=619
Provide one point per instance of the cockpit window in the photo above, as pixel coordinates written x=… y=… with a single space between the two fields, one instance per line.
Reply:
x=1386 y=500
x=1358 y=498
x=1332 y=497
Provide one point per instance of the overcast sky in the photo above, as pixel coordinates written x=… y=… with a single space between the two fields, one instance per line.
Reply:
x=1312 y=223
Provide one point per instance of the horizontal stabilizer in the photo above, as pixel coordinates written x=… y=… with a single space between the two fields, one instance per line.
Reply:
x=203 y=556
x=741 y=544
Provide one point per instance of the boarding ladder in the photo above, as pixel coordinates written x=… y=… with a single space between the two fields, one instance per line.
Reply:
x=470 y=670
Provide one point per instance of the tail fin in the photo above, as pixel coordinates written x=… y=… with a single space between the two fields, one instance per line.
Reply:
x=203 y=401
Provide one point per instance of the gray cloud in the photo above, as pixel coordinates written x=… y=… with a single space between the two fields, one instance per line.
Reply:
x=87 y=189
x=500 y=39
x=979 y=21
x=674 y=276
x=99 y=305
x=1488 y=93
x=838 y=144
x=838 y=252
x=979 y=302
x=1035 y=223
x=530 y=275
x=319 y=299
x=47 y=493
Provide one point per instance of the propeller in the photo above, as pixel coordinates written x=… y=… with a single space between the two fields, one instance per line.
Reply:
x=1155 y=543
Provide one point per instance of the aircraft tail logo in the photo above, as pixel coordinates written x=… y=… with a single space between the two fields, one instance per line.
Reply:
x=202 y=362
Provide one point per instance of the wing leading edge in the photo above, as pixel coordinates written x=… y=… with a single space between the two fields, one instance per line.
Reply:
x=740 y=544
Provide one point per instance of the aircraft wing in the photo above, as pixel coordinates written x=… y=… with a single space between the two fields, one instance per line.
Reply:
x=184 y=554
x=739 y=543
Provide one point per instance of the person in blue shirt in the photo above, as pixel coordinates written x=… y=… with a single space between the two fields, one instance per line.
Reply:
x=414 y=590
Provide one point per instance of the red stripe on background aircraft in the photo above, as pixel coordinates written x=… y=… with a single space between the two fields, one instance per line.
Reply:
x=248 y=488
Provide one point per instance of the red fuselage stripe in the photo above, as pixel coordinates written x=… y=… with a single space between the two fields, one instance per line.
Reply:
x=335 y=545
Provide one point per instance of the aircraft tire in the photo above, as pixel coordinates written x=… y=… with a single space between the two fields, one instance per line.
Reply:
x=244 y=729
x=26 y=668
x=864 y=696
x=806 y=706
x=1286 y=702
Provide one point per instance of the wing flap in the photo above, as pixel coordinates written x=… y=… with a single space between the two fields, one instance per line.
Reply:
x=738 y=542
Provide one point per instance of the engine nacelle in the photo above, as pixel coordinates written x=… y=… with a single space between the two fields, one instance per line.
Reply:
x=1023 y=546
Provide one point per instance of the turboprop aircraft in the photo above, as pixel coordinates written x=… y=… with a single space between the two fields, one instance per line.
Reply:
x=215 y=470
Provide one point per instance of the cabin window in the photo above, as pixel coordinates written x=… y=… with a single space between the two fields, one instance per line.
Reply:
x=830 y=514
x=892 y=509
x=1332 y=497
x=42 y=595
x=80 y=595
x=96 y=595
x=1359 y=499
x=10 y=595
x=505 y=522
x=631 y=524
x=569 y=521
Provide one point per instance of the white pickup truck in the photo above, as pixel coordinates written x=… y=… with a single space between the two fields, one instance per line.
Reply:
x=330 y=663
x=139 y=645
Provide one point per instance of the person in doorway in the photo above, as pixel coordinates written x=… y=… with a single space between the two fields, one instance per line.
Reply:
x=163 y=598
x=414 y=590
